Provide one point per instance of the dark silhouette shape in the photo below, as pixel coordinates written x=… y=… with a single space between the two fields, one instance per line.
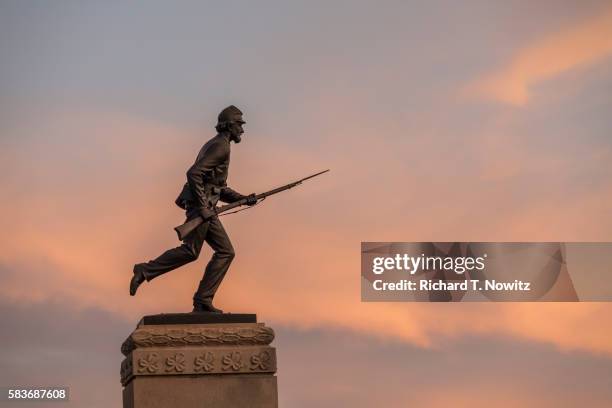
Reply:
x=206 y=185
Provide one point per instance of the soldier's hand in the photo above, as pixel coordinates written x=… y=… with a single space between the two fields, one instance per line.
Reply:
x=251 y=199
x=207 y=213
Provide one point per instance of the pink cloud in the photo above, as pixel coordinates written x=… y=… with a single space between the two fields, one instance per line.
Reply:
x=587 y=42
x=298 y=253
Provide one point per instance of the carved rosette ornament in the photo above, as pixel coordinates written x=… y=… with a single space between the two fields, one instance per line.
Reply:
x=205 y=362
x=176 y=363
x=261 y=361
x=148 y=363
x=232 y=361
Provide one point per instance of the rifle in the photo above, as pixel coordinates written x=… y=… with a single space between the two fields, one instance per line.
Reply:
x=186 y=228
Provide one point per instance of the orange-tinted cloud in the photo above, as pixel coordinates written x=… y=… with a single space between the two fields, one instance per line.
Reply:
x=97 y=205
x=585 y=43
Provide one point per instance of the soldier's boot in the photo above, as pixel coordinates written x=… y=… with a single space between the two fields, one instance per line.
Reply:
x=137 y=279
x=205 y=307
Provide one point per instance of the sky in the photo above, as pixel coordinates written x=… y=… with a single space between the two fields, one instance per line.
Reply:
x=480 y=121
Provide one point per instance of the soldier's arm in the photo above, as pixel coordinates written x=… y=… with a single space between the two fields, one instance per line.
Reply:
x=229 y=195
x=215 y=154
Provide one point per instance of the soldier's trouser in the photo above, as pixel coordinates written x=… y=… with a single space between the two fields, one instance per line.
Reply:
x=213 y=234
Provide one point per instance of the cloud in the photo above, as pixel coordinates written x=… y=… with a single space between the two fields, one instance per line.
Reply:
x=467 y=372
x=100 y=196
x=51 y=341
x=51 y=344
x=585 y=43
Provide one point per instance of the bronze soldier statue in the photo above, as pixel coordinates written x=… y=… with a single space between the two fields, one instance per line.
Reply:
x=206 y=184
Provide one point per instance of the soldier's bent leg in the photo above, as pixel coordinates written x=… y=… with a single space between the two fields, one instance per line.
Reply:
x=218 y=240
x=179 y=256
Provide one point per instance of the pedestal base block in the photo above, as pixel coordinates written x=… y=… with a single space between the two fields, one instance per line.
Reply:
x=211 y=391
x=201 y=361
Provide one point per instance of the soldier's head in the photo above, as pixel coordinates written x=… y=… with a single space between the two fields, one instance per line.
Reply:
x=230 y=121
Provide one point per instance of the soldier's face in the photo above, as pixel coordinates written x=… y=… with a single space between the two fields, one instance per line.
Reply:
x=236 y=130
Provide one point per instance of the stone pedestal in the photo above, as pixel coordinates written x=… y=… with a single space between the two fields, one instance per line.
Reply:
x=199 y=360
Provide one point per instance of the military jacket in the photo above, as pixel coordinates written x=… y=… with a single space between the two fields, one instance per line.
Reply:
x=207 y=178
